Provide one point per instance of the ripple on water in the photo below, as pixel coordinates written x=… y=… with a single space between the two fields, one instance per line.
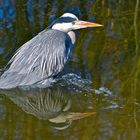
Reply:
x=75 y=82
x=79 y=84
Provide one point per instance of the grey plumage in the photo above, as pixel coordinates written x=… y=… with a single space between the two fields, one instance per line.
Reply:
x=41 y=58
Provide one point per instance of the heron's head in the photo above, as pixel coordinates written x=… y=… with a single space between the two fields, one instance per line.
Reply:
x=68 y=22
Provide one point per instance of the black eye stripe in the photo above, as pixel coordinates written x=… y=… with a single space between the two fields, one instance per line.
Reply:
x=62 y=20
x=65 y=20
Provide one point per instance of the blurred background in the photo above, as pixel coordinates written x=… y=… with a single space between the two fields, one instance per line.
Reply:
x=102 y=77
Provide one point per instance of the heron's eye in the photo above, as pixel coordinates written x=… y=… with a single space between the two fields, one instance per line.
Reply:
x=73 y=22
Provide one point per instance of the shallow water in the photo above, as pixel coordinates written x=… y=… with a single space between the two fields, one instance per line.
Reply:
x=96 y=97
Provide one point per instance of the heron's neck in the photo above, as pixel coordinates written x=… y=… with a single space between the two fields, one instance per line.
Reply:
x=72 y=36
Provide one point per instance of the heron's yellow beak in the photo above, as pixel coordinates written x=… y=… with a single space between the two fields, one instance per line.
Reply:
x=85 y=24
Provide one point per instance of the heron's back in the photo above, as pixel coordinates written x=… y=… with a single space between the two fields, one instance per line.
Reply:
x=42 y=57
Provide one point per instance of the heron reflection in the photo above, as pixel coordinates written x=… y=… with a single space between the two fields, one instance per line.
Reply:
x=52 y=104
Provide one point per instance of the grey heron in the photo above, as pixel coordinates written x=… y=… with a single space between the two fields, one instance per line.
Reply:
x=44 y=56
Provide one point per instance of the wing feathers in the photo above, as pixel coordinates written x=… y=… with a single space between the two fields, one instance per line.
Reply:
x=42 y=57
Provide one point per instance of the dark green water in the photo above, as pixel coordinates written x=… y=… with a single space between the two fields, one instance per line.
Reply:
x=98 y=96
